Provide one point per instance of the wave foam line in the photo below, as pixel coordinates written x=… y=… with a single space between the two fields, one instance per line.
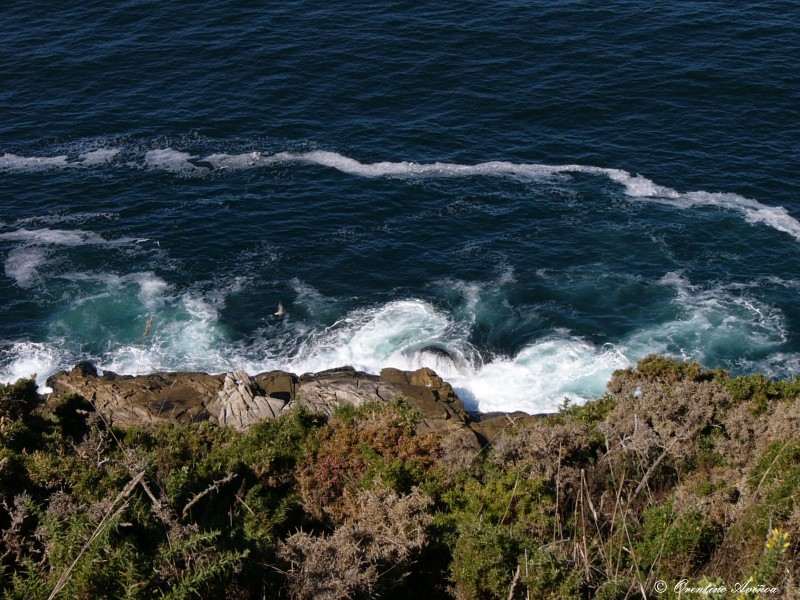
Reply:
x=24 y=262
x=171 y=160
x=13 y=162
x=636 y=186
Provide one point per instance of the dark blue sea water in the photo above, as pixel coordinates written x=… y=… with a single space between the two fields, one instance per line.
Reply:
x=524 y=196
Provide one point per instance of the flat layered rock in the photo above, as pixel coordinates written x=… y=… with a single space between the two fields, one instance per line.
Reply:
x=141 y=400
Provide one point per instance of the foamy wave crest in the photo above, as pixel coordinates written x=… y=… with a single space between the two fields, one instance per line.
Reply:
x=351 y=166
x=714 y=326
x=411 y=334
x=719 y=327
x=541 y=376
x=98 y=157
x=246 y=160
x=397 y=334
x=24 y=359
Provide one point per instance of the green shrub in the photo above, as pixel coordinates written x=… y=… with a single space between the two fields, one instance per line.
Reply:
x=591 y=412
x=373 y=442
x=663 y=369
x=279 y=445
x=543 y=575
x=673 y=544
x=17 y=400
x=484 y=560
x=760 y=390
x=777 y=476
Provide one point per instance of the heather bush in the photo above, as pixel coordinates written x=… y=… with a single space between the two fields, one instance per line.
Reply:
x=373 y=442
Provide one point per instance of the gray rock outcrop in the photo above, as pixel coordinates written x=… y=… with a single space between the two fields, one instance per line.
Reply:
x=239 y=400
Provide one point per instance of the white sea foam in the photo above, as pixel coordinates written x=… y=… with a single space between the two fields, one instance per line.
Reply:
x=88 y=155
x=411 y=334
x=239 y=161
x=371 y=339
x=152 y=289
x=59 y=218
x=318 y=306
x=54 y=237
x=98 y=157
x=24 y=359
x=711 y=325
x=785 y=365
x=22 y=265
x=24 y=262
x=715 y=324
x=185 y=335
x=13 y=162
x=635 y=186
x=352 y=166
x=171 y=160
x=541 y=376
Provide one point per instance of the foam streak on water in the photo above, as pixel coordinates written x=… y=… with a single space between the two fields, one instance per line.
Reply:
x=635 y=186
x=24 y=262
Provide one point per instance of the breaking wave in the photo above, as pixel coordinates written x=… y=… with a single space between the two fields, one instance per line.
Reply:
x=716 y=326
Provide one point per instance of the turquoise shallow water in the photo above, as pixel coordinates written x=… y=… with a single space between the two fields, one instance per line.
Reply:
x=522 y=197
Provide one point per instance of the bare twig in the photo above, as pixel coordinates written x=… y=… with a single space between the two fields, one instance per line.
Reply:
x=245 y=505
x=513 y=584
x=210 y=489
x=510 y=500
x=652 y=468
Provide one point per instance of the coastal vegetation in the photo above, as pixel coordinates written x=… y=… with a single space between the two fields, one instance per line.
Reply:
x=679 y=478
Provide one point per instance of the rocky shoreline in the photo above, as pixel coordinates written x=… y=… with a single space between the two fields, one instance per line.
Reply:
x=239 y=400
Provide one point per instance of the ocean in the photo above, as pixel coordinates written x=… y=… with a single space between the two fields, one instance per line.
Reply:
x=523 y=196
